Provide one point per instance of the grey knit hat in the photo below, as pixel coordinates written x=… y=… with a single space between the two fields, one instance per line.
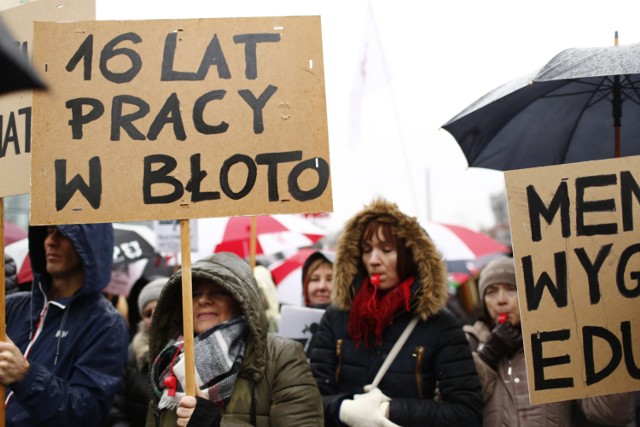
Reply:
x=151 y=292
x=501 y=270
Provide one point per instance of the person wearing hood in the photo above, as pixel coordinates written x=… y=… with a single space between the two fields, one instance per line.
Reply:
x=317 y=279
x=496 y=341
x=132 y=400
x=66 y=345
x=244 y=375
x=388 y=276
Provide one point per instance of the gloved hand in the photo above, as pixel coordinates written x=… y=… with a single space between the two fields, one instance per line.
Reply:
x=504 y=340
x=198 y=411
x=367 y=409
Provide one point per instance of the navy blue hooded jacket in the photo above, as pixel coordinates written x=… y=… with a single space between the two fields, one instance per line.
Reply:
x=78 y=357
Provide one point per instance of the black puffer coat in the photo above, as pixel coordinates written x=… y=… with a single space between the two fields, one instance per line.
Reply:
x=433 y=380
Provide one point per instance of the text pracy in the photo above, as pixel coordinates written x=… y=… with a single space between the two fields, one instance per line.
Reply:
x=198 y=116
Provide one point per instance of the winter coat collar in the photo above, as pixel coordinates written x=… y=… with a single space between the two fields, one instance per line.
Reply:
x=429 y=292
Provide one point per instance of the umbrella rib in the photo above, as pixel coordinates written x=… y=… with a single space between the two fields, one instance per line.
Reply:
x=575 y=123
x=629 y=88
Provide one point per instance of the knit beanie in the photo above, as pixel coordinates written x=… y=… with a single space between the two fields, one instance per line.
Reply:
x=151 y=292
x=501 y=270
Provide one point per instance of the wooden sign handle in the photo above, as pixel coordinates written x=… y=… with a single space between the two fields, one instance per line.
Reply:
x=187 y=309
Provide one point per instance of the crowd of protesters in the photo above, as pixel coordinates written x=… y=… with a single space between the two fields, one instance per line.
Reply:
x=387 y=352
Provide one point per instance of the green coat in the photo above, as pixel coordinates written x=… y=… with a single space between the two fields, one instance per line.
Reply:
x=275 y=368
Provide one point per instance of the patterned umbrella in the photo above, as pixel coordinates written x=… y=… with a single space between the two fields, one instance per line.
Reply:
x=274 y=233
x=134 y=251
x=19 y=251
x=458 y=243
x=13 y=233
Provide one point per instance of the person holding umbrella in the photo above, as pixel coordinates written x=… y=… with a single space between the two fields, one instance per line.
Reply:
x=387 y=352
x=496 y=341
x=244 y=375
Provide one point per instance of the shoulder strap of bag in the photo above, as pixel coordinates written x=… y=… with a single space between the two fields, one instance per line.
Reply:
x=394 y=351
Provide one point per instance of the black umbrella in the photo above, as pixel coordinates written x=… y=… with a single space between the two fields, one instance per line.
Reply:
x=582 y=105
x=133 y=242
x=135 y=255
x=15 y=71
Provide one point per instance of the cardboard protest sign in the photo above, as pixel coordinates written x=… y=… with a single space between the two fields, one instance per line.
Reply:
x=300 y=323
x=15 y=108
x=575 y=237
x=175 y=119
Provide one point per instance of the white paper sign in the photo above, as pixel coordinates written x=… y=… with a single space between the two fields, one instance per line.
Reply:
x=300 y=323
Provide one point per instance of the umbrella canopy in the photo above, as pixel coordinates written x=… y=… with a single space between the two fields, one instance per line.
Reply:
x=19 y=251
x=458 y=243
x=460 y=271
x=134 y=252
x=15 y=71
x=582 y=105
x=133 y=243
x=275 y=233
x=13 y=233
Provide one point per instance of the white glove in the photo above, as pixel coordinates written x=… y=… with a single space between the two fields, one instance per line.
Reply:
x=375 y=395
x=365 y=410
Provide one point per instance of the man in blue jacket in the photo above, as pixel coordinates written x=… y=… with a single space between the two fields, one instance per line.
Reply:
x=70 y=343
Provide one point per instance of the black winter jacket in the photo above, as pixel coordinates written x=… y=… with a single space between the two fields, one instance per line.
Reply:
x=433 y=380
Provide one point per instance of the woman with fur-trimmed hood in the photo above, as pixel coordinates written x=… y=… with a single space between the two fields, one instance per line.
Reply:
x=245 y=376
x=388 y=271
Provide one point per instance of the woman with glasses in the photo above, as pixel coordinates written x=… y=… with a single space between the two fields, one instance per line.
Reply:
x=243 y=374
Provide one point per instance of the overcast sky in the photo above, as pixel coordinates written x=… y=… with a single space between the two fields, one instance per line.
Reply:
x=439 y=58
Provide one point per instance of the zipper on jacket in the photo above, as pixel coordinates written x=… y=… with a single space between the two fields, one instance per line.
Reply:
x=418 y=354
x=339 y=356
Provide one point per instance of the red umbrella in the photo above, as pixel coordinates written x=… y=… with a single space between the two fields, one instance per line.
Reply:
x=19 y=251
x=274 y=233
x=461 y=243
x=13 y=233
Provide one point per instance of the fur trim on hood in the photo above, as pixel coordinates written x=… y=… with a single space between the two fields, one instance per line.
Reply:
x=429 y=293
x=231 y=273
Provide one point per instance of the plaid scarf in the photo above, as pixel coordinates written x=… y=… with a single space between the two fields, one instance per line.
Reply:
x=218 y=355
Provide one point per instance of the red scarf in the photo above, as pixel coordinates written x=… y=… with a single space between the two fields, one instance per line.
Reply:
x=372 y=311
